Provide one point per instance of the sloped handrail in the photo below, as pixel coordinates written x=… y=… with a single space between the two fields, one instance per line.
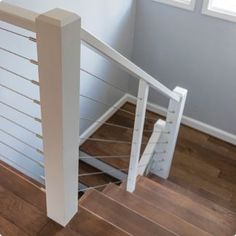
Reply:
x=126 y=64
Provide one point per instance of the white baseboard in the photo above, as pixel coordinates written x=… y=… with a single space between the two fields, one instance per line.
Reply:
x=198 y=125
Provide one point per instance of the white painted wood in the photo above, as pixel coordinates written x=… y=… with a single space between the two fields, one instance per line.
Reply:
x=106 y=116
x=137 y=134
x=105 y=50
x=184 y=4
x=18 y=16
x=150 y=148
x=188 y=121
x=58 y=42
x=169 y=136
x=102 y=166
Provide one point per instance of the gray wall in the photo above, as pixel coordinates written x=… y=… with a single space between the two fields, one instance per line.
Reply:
x=191 y=50
x=112 y=21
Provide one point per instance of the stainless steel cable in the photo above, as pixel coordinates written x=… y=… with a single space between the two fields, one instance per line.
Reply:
x=18 y=34
x=101 y=172
x=20 y=76
x=106 y=123
x=20 y=94
x=119 y=141
x=107 y=105
x=21 y=126
x=104 y=81
x=21 y=141
x=111 y=157
x=22 y=112
x=99 y=186
x=21 y=153
x=19 y=55
x=3 y=157
x=114 y=107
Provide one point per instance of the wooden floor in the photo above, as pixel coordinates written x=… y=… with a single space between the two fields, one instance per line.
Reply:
x=203 y=166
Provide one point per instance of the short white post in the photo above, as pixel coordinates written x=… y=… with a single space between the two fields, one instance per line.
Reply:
x=166 y=145
x=58 y=42
x=137 y=134
x=149 y=151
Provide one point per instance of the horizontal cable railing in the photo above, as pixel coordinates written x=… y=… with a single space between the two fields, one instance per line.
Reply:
x=16 y=148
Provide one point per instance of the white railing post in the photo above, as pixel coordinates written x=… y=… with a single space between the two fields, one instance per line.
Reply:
x=166 y=144
x=150 y=147
x=137 y=134
x=58 y=42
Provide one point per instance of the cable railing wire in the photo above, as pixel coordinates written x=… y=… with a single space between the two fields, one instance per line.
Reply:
x=99 y=186
x=101 y=172
x=20 y=94
x=22 y=112
x=106 y=123
x=113 y=157
x=3 y=157
x=21 y=126
x=19 y=55
x=21 y=141
x=21 y=153
x=20 y=76
x=114 y=107
x=18 y=34
x=104 y=81
x=120 y=141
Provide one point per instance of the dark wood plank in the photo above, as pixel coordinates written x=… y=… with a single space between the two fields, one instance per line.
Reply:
x=120 y=216
x=184 y=207
x=22 y=186
x=153 y=213
x=9 y=229
x=24 y=215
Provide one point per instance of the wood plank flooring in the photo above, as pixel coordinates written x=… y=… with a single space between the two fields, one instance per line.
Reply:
x=204 y=169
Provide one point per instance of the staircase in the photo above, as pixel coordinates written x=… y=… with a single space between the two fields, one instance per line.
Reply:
x=154 y=209
x=121 y=147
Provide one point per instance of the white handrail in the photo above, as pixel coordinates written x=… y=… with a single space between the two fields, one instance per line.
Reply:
x=18 y=16
x=125 y=63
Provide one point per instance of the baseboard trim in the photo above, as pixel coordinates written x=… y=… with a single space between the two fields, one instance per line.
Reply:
x=193 y=123
x=188 y=121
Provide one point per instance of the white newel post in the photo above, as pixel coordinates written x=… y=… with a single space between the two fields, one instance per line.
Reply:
x=137 y=134
x=166 y=144
x=58 y=42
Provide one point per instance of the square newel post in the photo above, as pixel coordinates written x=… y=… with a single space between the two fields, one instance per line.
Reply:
x=58 y=42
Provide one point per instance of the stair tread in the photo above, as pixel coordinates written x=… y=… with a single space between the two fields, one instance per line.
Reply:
x=24 y=215
x=184 y=207
x=120 y=216
x=153 y=213
x=93 y=180
x=9 y=229
x=22 y=186
x=84 y=223
x=229 y=215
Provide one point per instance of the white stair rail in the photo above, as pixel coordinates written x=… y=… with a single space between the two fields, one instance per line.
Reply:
x=58 y=37
x=164 y=150
x=105 y=50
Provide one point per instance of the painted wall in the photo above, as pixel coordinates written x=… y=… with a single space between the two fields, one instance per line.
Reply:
x=110 y=20
x=191 y=50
